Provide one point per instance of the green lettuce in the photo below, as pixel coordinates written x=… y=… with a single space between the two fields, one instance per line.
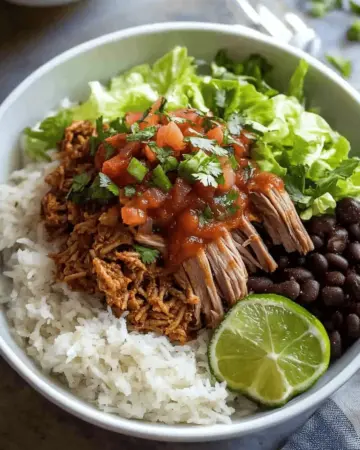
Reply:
x=295 y=144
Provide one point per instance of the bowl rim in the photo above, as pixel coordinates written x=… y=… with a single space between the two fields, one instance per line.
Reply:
x=157 y=431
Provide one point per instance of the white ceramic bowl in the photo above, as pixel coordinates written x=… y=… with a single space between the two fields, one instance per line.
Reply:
x=99 y=59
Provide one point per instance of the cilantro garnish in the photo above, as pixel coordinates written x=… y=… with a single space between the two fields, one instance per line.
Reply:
x=206 y=216
x=95 y=141
x=78 y=184
x=129 y=191
x=227 y=201
x=201 y=167
x=141 y=135
x=119 y=125
x=165 y=156
x=248 y=172
x=208 y=145
x=233 y=162
x=147 y=255
x=105 y=182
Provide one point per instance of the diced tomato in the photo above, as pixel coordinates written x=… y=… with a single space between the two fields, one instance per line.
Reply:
x=204 y=192
x=115 y=167
x=133 y=216
x=132 y=117
x=150 y=155
x=240 y=150
x=188 y=222
x=170 y=135
x=130 y=149
x=228 y=173
x=178 y=193
x=117 y=141
x=189 y=115
x=100 y=157
x=153 y=197
x=217 y=134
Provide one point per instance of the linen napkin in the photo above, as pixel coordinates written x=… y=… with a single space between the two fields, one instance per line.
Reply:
x=334 y=426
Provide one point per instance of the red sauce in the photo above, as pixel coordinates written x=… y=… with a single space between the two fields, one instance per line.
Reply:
x=179 y=215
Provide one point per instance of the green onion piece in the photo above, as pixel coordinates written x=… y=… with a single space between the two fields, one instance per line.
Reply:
x=160 y=179
x=171 y=163
x=137 y=170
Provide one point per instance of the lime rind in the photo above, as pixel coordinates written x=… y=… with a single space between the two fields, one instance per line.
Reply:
x=269 y=376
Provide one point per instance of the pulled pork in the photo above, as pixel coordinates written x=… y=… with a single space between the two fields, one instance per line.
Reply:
x=97 y=256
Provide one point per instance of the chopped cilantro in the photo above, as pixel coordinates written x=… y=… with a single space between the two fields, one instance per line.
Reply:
x=206 y=216
x=141 y=135
x=353 y=33
x=100 y=137
x=341 y=64
x=233 y=162
x=248 y=172
x=147 y=255
x=208 y=145
x=162 y=153
x=228 y=201
x=235 y=124
x=105 y=182
x=119 y=125
x=78 y=184
x=201 y=167
x=129 y=191
x=99 y=190
x=162 y=106
x=165 y=156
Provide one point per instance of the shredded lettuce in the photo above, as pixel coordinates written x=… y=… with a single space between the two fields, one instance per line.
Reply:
x=294 y=143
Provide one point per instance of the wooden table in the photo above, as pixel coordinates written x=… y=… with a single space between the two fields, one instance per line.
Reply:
x=28 y=38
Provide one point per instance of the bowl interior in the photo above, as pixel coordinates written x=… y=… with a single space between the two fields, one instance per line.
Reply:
x=67 y=76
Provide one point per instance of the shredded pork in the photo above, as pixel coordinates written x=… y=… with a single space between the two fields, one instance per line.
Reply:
x=97 y=252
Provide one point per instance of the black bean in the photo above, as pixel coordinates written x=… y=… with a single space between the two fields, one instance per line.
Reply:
x=338 y=240
x=328 y=324
x=352 y=284
x=337 y=262
x=355 y=308
x=337 y=319
x=353 y=326
x=322 y=225
x=318 y=263
x=348 y=211
x=283 y=262
x=335 y=344
x=259 y=285
x=354 y=230
x=290 y=289
x=353 y=252
x=334 y=278
x=309 y=291
x=317 y=241
x=300 y=261
x=332 y=296
x=298 y=273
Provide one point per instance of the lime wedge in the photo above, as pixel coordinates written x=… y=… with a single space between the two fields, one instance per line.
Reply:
x=269 y=348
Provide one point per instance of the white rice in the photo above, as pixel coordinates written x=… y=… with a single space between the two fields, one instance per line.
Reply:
x=70 y=335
